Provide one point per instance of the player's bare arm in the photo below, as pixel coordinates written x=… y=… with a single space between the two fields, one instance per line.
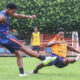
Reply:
x=72 y=49
x=2 y=19
x=23 y=16
x=54 y=42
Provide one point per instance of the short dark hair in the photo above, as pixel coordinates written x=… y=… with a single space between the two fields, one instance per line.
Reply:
x=11 y=6
x=60 y=30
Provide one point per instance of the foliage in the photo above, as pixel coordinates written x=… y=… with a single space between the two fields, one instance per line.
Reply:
x=51 y=14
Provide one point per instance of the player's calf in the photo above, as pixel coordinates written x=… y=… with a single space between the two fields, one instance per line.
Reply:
x=68 y=60
x=35 y=71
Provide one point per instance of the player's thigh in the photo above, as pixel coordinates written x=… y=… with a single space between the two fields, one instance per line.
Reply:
x=12 y=44
x=53 y=62
x=60 y=63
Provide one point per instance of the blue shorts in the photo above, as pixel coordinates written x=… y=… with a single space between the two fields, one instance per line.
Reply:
x=35 y=48
x=58 y=62
x=10 y=42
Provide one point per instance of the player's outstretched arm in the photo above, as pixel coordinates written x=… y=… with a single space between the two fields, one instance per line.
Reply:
x=72 y=49
x=23 y=16
x=54 y=42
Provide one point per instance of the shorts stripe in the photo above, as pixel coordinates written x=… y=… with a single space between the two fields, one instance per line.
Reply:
x=16 y=41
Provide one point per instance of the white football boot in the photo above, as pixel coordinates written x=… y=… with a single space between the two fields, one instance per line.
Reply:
x=21 y=75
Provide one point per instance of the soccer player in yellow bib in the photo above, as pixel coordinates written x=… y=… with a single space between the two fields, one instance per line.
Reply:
x=35 y=39
x=59 y=49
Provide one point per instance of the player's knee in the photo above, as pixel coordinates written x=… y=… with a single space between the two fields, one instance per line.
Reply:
x=19 y=56
x=65 y=60
x=69 y=60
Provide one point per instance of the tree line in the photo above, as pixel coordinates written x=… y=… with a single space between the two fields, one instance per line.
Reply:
x=51 y=15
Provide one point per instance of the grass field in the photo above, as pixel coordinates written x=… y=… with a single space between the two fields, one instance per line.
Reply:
x=9 y=70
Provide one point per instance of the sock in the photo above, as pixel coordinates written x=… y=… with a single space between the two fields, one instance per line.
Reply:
x=76 y=59
x=42 y=57
x=21 y=70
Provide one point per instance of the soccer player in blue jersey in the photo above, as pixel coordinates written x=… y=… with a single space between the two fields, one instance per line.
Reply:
x=11 y=42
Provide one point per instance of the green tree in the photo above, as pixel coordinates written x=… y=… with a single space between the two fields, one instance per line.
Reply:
x=51 y=14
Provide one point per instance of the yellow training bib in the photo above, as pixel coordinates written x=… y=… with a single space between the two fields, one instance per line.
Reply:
x=36 y=39
x=59 y=49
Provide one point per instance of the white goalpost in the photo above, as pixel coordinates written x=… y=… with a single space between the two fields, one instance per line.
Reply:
x=75 y=41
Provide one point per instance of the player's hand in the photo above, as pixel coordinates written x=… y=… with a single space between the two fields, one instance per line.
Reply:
x=2 y=19
x=33 y=16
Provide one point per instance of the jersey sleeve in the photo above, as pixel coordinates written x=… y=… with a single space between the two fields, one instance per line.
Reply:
x=54 y=38
x=2 y=14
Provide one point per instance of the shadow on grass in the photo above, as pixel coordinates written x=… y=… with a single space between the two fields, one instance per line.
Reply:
x=58 y=74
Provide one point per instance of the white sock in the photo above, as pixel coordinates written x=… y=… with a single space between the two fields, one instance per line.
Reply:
x=76 y=59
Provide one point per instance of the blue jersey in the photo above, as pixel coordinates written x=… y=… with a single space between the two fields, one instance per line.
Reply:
x=4 y=27
x=6 y=39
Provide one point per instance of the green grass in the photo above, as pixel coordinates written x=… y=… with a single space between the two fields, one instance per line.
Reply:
x=9 y=70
